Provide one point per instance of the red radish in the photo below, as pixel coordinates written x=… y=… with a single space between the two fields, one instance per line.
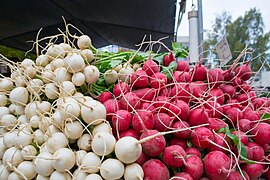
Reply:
x=111 y=105
x=193 y=151
x=234 y=114
x=154 y=169
x=244 y=71
x=197 y=88
x=182 y=175
x=244 y=88
x=129 y=132
x=165 y=91
x=168 y=58
x=121 y=120
x=261 y=133
x=150 y=67
x=267 y=173
x=257 y=151
x=199 y=73
x=194 y=166
x=251 y=115
x=130 y=101
x=204 y=178
x=254 y=171
x=215 y=124
x=173 y=156
x=158 y=80
x=182 y=125
x=181 y=91
x=162 y=104
x=228 y=91
x=104 y=97
x=215 y=77
x=220 y=139
x=120 y=89
x=142 y=159
x=258 y=103
x=163 y=122
x=234 y=103
x=177 y=141
x=142 y=120
x=197 y=117
x=229 y=74
x=225 y=107
x=216 y=95
x=181 y=76
x=243 y=99
x=200 y=137
x=214 y=110
x=148 y=106
x=139 y=79
x=155 y=146
x=179 y=109
x=235 y=175
x=241 y=136
x=182 y=66
x=237 y=82
x=216 y=165
x=244 y=125
x=145 y=94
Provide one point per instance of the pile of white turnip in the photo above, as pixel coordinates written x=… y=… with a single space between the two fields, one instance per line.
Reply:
x=200 y=124
x=51 y=128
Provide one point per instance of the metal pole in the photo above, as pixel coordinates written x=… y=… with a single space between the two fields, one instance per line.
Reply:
x=193 y=36
x=200 y=26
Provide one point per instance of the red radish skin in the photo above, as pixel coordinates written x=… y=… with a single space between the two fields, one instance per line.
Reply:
x=267 y=174
x=130 y=101
x=199 y=73
x=179 y=109
x=197 y=117
x=181 y=76
x=182 y=66
x=216 y=165
x=215 y=124
x=129 y=132
x=225 y=107
x=235 y=175
x=163 y=122
x=121 y=120
x=241 y=136
x=233 y=103
x=111 y=105
x=120 y=89
x=204 y=178
x=165 y=91
x=146 y=94
x=214 y=110
x=261 y=133
x=254 y=171
x=215 y=77
x=251 y=115
x=228 y=91
x=104 y=97
x=244 y=125
x=197 y=89
x=243 y=99
x=220 y=139
x=234 y=114
x=142 y=159
x=244 y=71
x=256 y=150
x=158 y=80
x=177 y=141
x=182 y=125
x=194 y=166
x=154 y=169
x=217 y=95
x=139 y=79
x=173 y=156
x=237 y=82
x=155 y=146
x=182 y=175
x=162 y=104
x=244 y=88
x=142 y=121
x=150 y=67
x=193 y=151
x=148 y=106
x=181 y=91
x=258 y=103
x=200 y=137
x=168 y=58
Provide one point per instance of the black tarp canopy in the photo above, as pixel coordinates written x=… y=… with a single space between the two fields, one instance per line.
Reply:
x=119 y=22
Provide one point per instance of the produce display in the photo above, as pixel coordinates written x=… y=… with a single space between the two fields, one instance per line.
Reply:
x=76 y=112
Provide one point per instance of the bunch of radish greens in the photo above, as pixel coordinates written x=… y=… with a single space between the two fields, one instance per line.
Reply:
x=76 y=112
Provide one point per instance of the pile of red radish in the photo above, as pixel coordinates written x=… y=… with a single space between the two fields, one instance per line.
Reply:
x=200 y=124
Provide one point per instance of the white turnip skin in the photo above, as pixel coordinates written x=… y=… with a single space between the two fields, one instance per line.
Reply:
x=87 y=54
x=67 y=88
x=74 y=63
x=39 y=137
x=42 y=60
x=91 y=163
x=91 y=74
x=84 y=42
x=13 y=157
x=4 y=111
x=34 y=121
x=92 y=112
x=61 y=75
x=4 y=172
x=22 y=119
x=40 y=177
x=78 y=79
x=110 y=76
x=57 y=141
x=47 y=76
x=28 y=152
x=6 y=84
x=27 y=168
x=84 y=142
x=51 y=91
x=15 y=176
x=112 y=169
x=79 y=174
x=56 y=175
x=103 y=143
x=19 y=96
x=128 y=149
x=93 y=177
x=133 y=172
x=70 y=110
x=8 y=121
x=17 y=109
x=3 y=99
x=8 y=138
x=66 y=47
x=2 y=148
x=55 y=51
x=155 y=169
x=57 y=63
x=102 y=127
x=73 y=130
x=125 y=73
x=79 y=156
x=23 y=138
x=64 y=159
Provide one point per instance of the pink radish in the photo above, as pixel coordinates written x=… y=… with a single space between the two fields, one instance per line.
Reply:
x=215 y=77
x=214 y=110
x=197 y=117
x=199 y=73
x=142 y=120
x=241 y=136
x=130 y=101
x=179 y=109
x=181 y=76
x=177 y=141
x=251 y=115
x=158 y=80
x=181 y=91
x=234 y=114
x=193 y=151
x=145 y=94
x=261 y=133
x=162 y=122
x=182 y=175
x=217 y=95
x=254 y=171
x=168 y=58
x=200 y=137
x=173 y=156
x=256 y=150
x=216 y=165
x=235 y=175
x=111 y=105
x=244 y=71
x=244 y=125
x=194 y=166
x=182 y=125
x=182 y=66
x=104 y=97
x=215 y=124
x=142 y=159
x=162 y=103
x=121 y=120
x=155 y=146
x=243 y=99
x=150 y=67
x=155 y=169
x=228 y=91
x=197 y=88
x=139 y=79
x=220 y=139
x=148 y=106
x=233 y=103
x=129 y=132
x=120 y=89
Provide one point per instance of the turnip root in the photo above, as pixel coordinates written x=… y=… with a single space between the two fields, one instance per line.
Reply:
x=91 y=74
x=110 y=76
x=6 y=84
x=70 y=110
x=27 y=168
x=84 y=42
x=74 y=63
x=78 y=79
x=66 y=47
x=79 y=174
x=55 y=51
x=12 y=157
x=61 y=74
x=73 y=130
x=102 y=127
x=84 y=142
x=28 y=152
x=64 y=159
x=56 y=175
x=93 y=177
x=90 y=163
x=93 y=112
x=133 y=172
x=4 y=172
x=103 y=143
x=125 y=73
x=67 y=88
x=57 y=63
x=56 y=141
x=3 y=99
x=112 y=169
x=87 y=54
x=19 y=96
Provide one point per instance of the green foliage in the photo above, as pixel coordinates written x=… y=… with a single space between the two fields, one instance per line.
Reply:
x=15 y=54
x=245 y=31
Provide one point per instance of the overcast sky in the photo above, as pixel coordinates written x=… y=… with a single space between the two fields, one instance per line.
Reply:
x=236 y=7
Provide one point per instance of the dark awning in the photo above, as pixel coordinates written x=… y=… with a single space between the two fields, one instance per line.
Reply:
x=120 y=22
